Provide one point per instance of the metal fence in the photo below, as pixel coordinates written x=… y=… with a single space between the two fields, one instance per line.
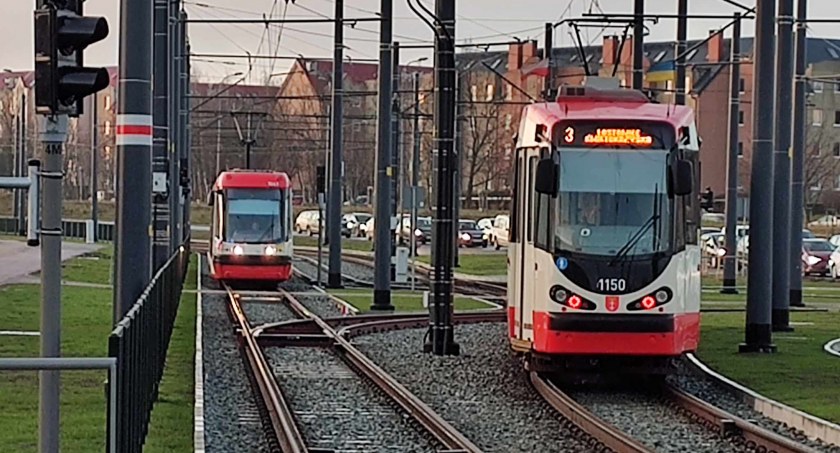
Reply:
x=139 y=343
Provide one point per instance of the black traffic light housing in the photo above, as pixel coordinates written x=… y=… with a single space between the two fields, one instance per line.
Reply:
x=321 y=179
x=708 y=201
x=61 y=35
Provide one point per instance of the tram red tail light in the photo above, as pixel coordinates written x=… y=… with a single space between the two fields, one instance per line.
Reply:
x=648 y=302
x=575 y=301
x=652 y=300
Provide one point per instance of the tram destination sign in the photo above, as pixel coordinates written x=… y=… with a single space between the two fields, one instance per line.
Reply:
x=614 y=134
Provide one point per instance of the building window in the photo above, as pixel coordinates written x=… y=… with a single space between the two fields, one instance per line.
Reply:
x=837 y=118
x=740 y=117
x=740 y=149
x=474 y=93
x=107 y=102
x=742 y=85
x=836 y=149
x=837 y=183
x=508 y=120
x=817 y=117
x=836 y=86
x=817 y=186
x=490 y=92
x=107 y=127
x=509 y=92
x=107 y=152
x=817 y=86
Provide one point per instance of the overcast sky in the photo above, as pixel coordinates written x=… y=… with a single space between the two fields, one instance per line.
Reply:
x=480 y=20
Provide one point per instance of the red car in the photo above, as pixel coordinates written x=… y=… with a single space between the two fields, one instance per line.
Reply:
x=815 y=256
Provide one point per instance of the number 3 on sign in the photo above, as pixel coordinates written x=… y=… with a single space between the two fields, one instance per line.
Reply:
x=570 y=135
x=611 y=284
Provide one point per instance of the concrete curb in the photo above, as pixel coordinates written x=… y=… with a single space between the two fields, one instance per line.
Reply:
x=813 y=427
x=833 y=347
x=198 y=411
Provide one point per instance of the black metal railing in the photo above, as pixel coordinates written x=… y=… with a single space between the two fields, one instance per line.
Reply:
x=139 y=343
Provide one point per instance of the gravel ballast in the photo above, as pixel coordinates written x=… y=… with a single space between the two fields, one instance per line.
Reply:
x=231 y=416
x=709 y=391
x=337 y=410
x=650 y=420
x=484 y=392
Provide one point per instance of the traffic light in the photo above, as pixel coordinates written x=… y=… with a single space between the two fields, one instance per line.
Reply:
x=708 y=199
x=61 y=35
x=321 y=178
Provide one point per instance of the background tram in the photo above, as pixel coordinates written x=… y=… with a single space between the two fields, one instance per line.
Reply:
x=251 y=235
x=604 y=265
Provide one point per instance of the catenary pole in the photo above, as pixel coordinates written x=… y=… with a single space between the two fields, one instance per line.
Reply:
x=682 y=31
x=797 y=194
x=94 y=164
x=175 y=133
x=730 y=260
x=638 y=43
x=384 y=236
x=134 y=153
x=22 y=167
x=53 y=135
x=758 y=334
x=442 y=338
x=781 y=168
x=184 y=137
x=336 y=159
x=415 y=176
x=396 y=175
x=186 y=151
x=549 y=56
x=163 y=187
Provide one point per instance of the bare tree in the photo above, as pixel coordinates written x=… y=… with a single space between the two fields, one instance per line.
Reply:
x=821 y=164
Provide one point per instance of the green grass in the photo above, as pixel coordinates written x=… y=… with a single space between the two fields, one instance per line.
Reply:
x=94 y=267
x=484 y=264
x=86 y=323
x=800 y=374
x=402 y=300
x=346 y=244
x=171 y=427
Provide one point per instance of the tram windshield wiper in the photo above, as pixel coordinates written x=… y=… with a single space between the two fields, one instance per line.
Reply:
x=631 y=243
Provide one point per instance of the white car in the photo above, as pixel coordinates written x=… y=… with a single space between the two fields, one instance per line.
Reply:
x=835 y=240
x=486 y=225
x=307 y=222
x=501 y=231
x=834 y=263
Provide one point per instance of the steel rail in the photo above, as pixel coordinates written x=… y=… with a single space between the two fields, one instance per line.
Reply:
x=445 y=433
x=603 y=432
x=730 y=424
x=283 y=426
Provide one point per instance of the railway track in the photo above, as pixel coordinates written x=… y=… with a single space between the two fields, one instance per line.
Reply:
x=311 y=330
x=738 y=433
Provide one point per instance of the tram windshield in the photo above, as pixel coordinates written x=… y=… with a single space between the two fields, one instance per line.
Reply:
x=612 y=199
x=256 y=216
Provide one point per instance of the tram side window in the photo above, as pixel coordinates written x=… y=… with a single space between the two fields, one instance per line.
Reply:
x=514 y=205
x=531 y=199
x=542 y=221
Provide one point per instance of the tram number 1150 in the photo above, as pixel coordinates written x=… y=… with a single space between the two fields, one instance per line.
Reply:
x=611 y=284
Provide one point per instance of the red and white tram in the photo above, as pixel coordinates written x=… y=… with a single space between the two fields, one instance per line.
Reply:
x=251 y=234
x=604 y=265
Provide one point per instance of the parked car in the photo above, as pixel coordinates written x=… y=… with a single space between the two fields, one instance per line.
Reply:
x=501 y=231
x=835 y=240
x=356 y=223
x=712 y=218
x=307 y=222
x=422 y=231
x=740 y=231
x=470 y=235
x=825 y=221
x=713 y=249
x=834 y=263
x=370 y=229
x=807 y=234
x=486 y=225
x=815 y=256
x=705 y=231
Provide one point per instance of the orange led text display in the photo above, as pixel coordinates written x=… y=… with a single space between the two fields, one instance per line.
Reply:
x=633 y=137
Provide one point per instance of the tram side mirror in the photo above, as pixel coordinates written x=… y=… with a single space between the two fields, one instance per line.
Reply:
x=546 y=181
x=683 y=179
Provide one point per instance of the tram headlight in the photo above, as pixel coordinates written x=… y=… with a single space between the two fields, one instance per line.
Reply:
x=237 y=250
x=661 y=296
x=270 y=250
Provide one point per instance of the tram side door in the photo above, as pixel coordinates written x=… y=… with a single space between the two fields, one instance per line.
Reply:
x=525 y=227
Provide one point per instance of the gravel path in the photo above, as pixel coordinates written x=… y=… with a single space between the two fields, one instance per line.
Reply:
x=649 y=419
x=707 y=390
x=337 y=410
x=231 y=417
x=266 y=312
x=484 y=393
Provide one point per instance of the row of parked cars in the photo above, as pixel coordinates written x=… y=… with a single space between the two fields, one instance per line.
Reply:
x=491 y=231
x=820 y=256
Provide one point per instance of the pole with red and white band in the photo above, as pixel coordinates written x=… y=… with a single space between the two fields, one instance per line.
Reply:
x=132 y=254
